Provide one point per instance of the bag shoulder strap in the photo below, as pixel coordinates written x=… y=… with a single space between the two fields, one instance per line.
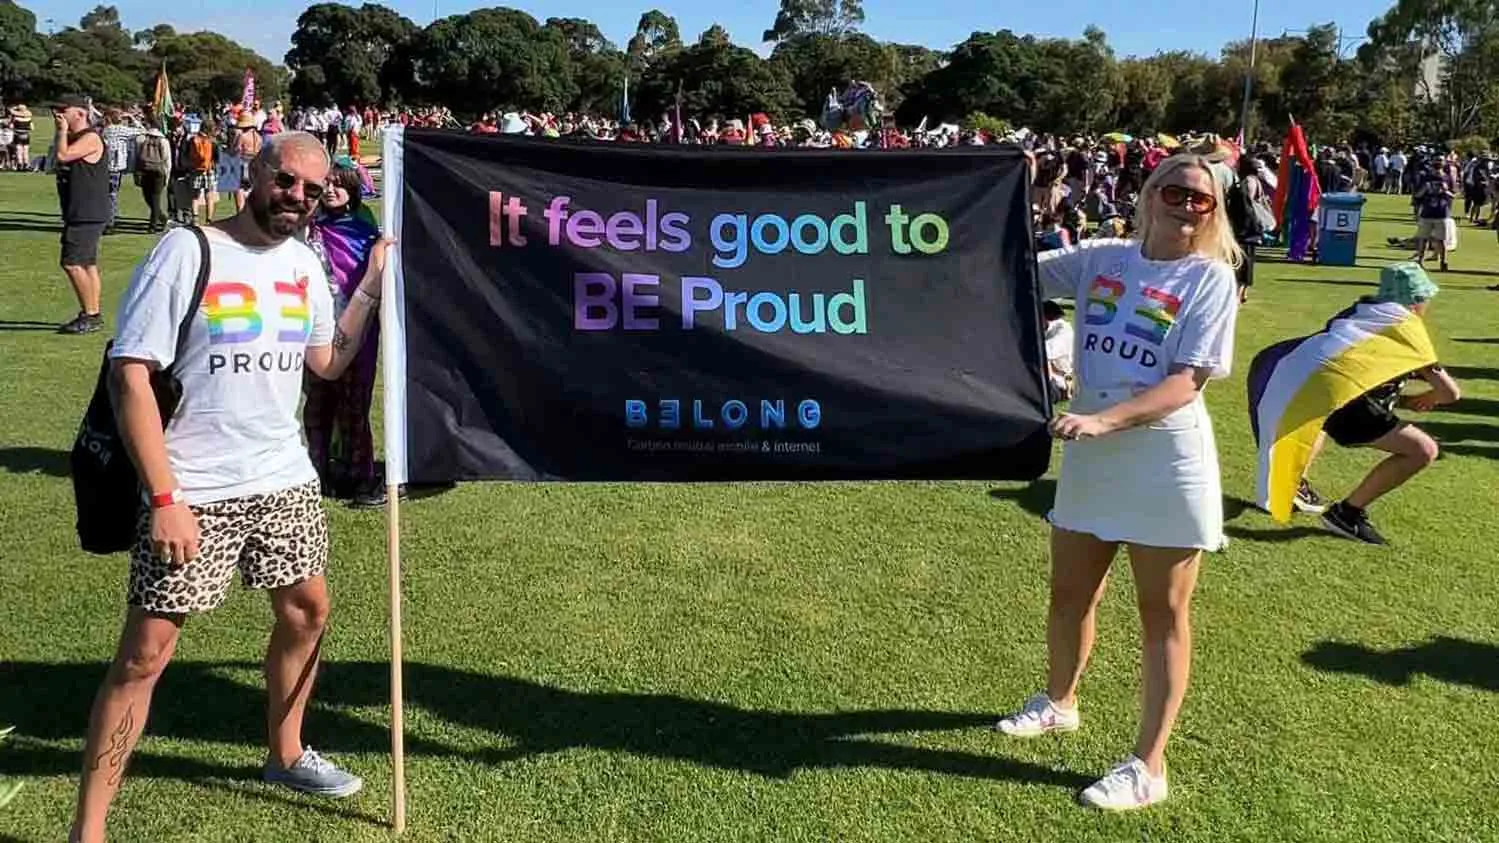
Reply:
x=199 y=287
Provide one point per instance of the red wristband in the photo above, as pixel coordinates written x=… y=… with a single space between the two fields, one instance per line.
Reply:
x=166 y=499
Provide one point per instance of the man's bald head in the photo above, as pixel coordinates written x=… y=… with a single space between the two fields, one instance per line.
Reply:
x=286 y=182
x=284 y=145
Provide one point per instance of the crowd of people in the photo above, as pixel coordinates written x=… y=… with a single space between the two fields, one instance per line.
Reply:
x=1153 y=239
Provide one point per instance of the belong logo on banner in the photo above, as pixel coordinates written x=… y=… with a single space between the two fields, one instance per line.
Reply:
x=619 y=312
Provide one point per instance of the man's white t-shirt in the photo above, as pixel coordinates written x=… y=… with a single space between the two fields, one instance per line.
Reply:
x=236 y=431
x=1136 y=318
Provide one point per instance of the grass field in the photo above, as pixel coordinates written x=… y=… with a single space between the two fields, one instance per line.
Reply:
x=778 y=662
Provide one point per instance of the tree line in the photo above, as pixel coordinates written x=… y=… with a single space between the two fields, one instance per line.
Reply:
x=1427 y=71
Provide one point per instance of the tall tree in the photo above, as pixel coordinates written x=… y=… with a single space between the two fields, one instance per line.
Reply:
x=716 y=78
x=97 y=58
x=817 y=64
x=342 y=55
x=206 y=68
x=655 y=35
x=715 y=35
x=22 y=51
x=1461 y=38
x=495 y=58
x=598 y=66
x=1144 y=96
x=815 y=17
x=1313 y=85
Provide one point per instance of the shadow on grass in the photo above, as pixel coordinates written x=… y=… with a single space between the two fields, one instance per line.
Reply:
x=48 y=461
x=1331 y=282
x=1274 y=535
x=24 y=759
x=10 y=224
x=1475 y=407
x=1462 y=431
x=1451 y=660
x=1478 y=340
x=26 y=325
x=1488 y=451
x=1035 y=498
x=1473 y=372
x=205 y=701
x=1233 y=507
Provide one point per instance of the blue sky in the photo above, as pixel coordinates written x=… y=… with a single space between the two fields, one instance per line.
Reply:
x=1141 y=27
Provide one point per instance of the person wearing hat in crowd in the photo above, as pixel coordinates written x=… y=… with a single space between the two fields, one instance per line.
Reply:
x=20 y=141
x=83 y=192
x=247 y=144
x=1369 y=421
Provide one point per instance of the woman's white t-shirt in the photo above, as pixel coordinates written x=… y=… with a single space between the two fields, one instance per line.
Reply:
x=1137 y=318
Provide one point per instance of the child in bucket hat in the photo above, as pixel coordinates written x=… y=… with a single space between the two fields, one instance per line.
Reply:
x=1369 y=421
x=1406 y=283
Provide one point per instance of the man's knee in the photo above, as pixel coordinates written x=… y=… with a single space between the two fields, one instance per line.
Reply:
x=143 y=661
x=304 y=614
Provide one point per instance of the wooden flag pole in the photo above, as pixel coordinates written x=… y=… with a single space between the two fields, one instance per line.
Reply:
x=393 y=365
x=397 y=714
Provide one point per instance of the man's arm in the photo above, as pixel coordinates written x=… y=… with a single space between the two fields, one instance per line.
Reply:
x=329 y=361
x=1444 y=390
x=174 y=530
x=87 y=147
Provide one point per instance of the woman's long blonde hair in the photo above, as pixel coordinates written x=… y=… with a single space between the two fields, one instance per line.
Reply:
x=1215 y=235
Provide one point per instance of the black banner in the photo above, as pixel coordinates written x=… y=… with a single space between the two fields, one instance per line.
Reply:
x=624 y=312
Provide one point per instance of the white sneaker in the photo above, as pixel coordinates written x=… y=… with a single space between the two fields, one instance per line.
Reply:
x=1127 y=787
x=1039 y=716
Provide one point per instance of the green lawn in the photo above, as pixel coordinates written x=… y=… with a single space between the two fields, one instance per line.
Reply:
x=779 y=662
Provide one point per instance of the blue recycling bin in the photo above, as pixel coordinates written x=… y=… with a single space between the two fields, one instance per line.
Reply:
x=1338 y=220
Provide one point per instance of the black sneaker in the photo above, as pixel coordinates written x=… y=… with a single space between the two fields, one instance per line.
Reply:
x=83 y=323
x=1351 y=523
x=371 y=498
x=375 y=497
x=1307 y=500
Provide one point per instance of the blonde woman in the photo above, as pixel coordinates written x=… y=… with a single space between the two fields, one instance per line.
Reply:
x=1154 y=323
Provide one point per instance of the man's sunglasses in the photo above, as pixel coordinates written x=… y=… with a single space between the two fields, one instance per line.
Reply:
x=312 y=190
x=1198 y=203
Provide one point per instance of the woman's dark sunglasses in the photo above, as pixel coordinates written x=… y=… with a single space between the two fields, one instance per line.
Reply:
x=1198 y=203
x=312 y=190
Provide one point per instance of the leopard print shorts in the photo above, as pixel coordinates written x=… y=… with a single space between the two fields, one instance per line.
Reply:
x=274 y=540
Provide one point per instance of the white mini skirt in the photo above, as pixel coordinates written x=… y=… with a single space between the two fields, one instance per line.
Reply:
x=1157 y=485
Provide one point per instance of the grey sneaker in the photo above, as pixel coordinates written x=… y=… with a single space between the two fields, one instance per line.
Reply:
x=314 y=774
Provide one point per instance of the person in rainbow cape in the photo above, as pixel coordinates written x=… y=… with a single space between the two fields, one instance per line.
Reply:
x=1346 y=382
x=336 y=416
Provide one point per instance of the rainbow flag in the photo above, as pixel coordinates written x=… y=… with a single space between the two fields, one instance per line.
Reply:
x=1297 y=194
x=1296 y=384
x=161 y=101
